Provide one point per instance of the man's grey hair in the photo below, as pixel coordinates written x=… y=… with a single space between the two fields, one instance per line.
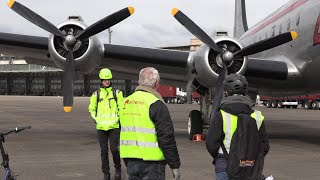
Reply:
x=148 y=77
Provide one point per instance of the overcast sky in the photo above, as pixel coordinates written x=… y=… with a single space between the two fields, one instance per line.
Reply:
x=152 y=24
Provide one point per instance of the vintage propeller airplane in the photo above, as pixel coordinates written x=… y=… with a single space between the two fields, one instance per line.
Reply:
x=73 y=47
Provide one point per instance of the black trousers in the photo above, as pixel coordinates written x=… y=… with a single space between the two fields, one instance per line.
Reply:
x=145 y=170
x=113 y=135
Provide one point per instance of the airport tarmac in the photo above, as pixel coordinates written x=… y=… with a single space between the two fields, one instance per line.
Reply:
x=64 y=145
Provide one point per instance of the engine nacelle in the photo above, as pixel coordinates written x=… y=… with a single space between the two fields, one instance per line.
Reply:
x=208 y=63
x=87 y=53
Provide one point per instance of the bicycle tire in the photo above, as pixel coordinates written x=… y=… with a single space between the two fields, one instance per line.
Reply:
x=8 y=175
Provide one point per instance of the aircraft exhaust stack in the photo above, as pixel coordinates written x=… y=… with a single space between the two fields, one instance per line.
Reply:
x=75 y=18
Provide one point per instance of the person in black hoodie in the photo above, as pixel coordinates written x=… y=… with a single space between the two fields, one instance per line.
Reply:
x=235 y=106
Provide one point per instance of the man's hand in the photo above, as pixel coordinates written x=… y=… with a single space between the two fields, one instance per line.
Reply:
x=176 y=174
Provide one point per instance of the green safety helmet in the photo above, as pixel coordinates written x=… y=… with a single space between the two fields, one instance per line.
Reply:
x=105 y=74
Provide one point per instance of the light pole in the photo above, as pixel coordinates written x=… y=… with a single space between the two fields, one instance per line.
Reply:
x=110 y=31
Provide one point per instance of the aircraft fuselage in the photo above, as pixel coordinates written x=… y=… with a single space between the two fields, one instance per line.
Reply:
x=301 y=56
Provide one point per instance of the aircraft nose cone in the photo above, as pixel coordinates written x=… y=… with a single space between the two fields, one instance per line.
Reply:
x=227 y=57
x=70 y=40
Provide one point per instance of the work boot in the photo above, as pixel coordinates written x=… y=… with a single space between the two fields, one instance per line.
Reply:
x=118 y=174
x=106 y=177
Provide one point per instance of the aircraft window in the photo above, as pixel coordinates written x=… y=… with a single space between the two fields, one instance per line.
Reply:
x=273 y=31
x=280 y=28
x=298 y=20
x=266 y=35
x=288 y=25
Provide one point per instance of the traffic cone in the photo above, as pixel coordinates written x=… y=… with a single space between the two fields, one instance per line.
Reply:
x=197 y=137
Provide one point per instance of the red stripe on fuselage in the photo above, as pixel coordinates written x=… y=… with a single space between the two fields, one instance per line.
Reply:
x=276 y=17
x=316 y=36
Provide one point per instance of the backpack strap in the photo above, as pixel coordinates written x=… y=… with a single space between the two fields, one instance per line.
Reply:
x=98 y=97
x=225 y=153
x=115 y=92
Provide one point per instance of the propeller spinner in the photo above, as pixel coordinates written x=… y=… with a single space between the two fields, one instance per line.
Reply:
x=70 y=40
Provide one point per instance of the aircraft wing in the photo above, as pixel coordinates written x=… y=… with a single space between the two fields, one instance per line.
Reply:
x=266 y=69
x=126 y=62
x=33 y=49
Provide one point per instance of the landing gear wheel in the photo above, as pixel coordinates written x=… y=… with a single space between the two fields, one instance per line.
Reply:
x=195 y=123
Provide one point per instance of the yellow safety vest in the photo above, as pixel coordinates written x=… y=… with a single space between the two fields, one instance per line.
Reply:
x=230 y=123
x=138 y=137
x=106 y=116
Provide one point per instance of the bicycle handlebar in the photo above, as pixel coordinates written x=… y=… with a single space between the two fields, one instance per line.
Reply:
x=16 y=130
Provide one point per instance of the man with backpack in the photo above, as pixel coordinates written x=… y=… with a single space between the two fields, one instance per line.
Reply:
x=104 y=109
x=237 y=138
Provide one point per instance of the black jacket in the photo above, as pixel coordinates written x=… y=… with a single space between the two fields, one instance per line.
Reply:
x=160 y=116
x=216 y=135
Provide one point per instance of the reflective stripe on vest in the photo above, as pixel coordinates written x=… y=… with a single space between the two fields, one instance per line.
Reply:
x=107 y=116
x=229 y=127
x=107 y=122
x=230 y=123
x=138 y=129
x=138 y=137
x=258 y=117
x=138 y=143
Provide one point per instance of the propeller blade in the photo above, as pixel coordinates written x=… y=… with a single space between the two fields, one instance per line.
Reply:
x=267 y=44
x=219 y=91
x=68 y=82
x=195 y=30
x=106 y=23
x=33 y=17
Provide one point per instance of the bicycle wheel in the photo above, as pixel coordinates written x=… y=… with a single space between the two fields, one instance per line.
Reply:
x=8 y=175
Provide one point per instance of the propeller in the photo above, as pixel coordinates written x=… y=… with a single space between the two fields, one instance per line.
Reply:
x=267 y=44
x=195 y=30
x=34 y=17
x=70 y=40
x=219 y=91
x=68 y=82
x=106 y=22
x=227 y=56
